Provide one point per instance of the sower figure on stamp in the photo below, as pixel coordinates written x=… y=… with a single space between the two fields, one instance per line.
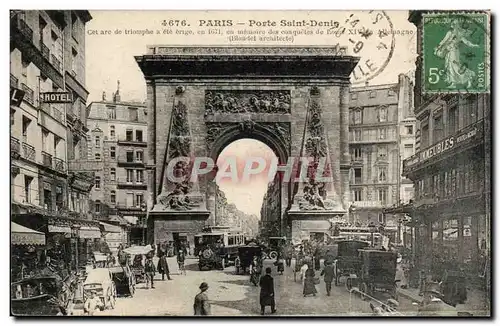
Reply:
x=267 y=292
x=201 y=304
x=329 y=274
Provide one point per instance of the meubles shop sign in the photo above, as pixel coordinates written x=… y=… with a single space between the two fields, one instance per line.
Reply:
x=471 y=132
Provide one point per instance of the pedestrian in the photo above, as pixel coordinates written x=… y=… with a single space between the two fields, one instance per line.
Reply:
x=329 y=274
x=181 y=257
x=280 y=264
x=317 y=258
x=163 y=267
x=288 y=257
x=310 y=282
x=255 y=270
x=92 y=303
x=267 y=292
x=303 y=271
x=150 y=272
x=201 y=304
x=237 y=265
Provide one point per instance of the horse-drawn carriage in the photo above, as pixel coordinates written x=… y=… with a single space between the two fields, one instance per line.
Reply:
x=39 y=296
x=100 y=281
x=137 y=266
x=246 y=254
x=124 y=280
x=348 y=262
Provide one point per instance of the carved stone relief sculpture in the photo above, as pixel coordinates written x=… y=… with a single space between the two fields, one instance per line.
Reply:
x=236 y=101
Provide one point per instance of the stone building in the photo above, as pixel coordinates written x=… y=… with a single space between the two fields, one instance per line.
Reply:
x=270 y=211
x=118 y=145
x=451 y=171
x=294 y=99
x=47 y=54
x=382 y=134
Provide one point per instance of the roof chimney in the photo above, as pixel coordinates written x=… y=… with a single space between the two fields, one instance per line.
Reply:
x=104 y=96
x=116 y=97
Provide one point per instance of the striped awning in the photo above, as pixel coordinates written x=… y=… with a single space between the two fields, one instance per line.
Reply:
x=89 y=232
x=21 y=235
x=111 y=228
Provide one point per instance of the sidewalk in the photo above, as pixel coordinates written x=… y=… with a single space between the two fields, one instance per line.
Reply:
x=477 y=303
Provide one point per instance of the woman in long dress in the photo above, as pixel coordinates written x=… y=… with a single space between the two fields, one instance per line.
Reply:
x=309 y=286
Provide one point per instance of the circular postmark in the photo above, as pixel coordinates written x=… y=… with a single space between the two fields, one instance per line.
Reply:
x=369 y=35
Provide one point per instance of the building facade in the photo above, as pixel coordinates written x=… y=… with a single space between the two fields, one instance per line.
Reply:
x=382 y=135
x=271 y=211
x=47 y=54
x=451 y=171
x=118 y=146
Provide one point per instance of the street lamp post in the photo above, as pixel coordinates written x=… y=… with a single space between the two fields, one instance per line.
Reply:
x=144 y=208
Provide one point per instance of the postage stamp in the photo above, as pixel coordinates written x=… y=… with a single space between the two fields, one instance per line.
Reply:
x=455 y=53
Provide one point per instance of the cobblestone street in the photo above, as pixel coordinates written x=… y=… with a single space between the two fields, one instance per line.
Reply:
x=234 y=295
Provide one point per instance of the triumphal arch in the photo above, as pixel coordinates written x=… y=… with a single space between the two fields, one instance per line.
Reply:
x=200 y=99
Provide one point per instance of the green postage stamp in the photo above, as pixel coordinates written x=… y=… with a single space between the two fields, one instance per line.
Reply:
x=456 y=55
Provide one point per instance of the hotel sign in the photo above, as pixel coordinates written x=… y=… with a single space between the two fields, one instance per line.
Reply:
x=16 y=96
x=474 y=131
x=56 y=97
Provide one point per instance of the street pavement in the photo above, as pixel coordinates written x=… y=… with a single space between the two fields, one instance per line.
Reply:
x=234 y=295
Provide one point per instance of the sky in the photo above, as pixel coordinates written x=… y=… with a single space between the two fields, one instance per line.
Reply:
x=111 y=57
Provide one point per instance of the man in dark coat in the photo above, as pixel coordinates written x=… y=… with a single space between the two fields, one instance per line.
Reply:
x=163 y=267
x=329 y=274
x=150 y=272
x=267 y=292
x=201 y=304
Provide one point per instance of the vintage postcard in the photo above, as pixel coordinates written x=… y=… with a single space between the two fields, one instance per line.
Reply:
x=250 y=163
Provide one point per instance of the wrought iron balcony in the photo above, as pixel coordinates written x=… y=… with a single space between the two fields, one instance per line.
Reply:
x=59 y=165
x=29 y=152
x=28 y=93
x=15 y=147
x=25 y=29
x=45 y=51
x=47 y=159
x=13 y=81
x=55 y=62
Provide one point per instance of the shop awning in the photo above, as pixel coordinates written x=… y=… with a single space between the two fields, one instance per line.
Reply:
x=21 y=235
x=111 y=228
x=59 y=229
x=89 y=232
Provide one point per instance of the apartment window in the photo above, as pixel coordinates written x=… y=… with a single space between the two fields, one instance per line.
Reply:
x=382 y=195
x=97 y=156
x=382 y=173
x=140 y=176
x=24 y=67
x=382 y=133
x=382 y=114
x=130 y=199
x=139 y=156
x=112 y=174
x=27 y=188
x=436 y=185
x=438 y=129
x=129 y=135
x=138 y=135
x=26 y=123
x=373 y=94
x=424 y=136
x=98 y=206
x=139 y=199
x=97 y=141
x=408 y=150
x=132 y=114
x=74 y=61
x=111 y=112
x=357 y=175
x=112 y=132
x=452 y=120
x=130 y=156
x=112 y=197
x=47 y=199
x=97 y=184
x=357 y=153
x=41 y=26
x=470 y=104
x=381 y=218
x=409 y=130
x=112 y=152
x=357 y=135
x=354 y=96
x=358 y=195
x=130 y=175
x=356 y=116
x=382 y=152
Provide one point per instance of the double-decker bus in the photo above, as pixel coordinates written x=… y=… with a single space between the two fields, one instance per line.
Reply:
x=217 y=246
